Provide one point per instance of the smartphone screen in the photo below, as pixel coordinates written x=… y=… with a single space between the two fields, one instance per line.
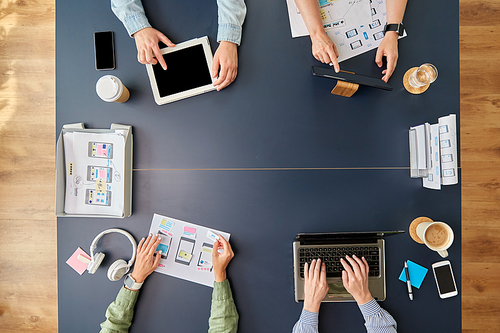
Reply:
x=185 y=251
x=104 y=50
x=205 y=258
x=94 y=173
x=445 y=280
x=93 y=197
x=100 y=149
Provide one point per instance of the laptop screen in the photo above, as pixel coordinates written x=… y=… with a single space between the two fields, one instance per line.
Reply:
x=343 y=237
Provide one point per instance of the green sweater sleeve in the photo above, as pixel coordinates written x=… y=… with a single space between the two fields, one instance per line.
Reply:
x=223 y=314
x=120 y=313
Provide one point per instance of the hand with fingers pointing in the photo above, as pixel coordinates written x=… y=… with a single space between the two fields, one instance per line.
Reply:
x=148 y=51
x=355 y=278
x=146 y=262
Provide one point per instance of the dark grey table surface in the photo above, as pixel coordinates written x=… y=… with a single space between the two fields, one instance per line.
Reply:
x=275 y=115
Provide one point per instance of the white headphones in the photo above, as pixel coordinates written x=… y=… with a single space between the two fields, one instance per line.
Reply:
x=120 y=267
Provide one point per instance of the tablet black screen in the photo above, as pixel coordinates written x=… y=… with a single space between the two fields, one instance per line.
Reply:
x=186 y=69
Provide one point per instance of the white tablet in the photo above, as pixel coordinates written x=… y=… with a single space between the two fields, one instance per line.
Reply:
x=188 y=73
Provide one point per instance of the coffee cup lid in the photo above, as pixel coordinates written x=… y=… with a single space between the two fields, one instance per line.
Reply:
x=109 y=88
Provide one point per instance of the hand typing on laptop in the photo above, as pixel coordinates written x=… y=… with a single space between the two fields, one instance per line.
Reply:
x=315 y=287
x=355 y=280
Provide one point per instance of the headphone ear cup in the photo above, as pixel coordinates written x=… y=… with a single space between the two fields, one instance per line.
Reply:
x=117 y=270
x=95 y=263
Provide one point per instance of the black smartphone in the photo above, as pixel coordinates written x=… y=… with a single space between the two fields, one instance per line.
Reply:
x=350 y=77
x=104 y=50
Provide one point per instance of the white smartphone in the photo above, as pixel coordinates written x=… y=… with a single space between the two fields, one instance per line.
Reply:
x=445 y=280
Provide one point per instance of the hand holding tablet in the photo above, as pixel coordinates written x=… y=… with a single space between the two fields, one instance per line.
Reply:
x=188 y=73
x=227 y=57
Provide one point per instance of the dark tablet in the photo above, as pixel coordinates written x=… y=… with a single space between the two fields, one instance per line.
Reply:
x=350 y=77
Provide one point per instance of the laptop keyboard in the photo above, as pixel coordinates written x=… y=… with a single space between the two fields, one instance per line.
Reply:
x=331 y=257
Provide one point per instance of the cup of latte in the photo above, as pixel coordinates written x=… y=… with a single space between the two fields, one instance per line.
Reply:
x=438 y=236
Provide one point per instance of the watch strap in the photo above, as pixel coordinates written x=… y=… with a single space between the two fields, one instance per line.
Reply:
x=398 y=27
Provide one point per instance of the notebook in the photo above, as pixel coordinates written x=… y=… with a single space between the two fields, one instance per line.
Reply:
x=330 y=247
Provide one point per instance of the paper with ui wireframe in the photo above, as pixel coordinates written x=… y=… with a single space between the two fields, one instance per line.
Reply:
x=191 y=244
x=94 y=196
x=354 y=26
x=417 y=274
x=335 y=14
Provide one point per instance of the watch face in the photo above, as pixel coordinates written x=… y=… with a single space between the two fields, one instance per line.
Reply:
x=129 y=282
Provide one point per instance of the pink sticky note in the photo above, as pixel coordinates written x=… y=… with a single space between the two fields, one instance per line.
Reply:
x=191 y=230
x=76 y=264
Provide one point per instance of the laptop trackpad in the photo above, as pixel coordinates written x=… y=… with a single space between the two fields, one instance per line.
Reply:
x=338 y=289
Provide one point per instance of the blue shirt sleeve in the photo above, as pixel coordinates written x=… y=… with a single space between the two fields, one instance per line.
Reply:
x=377 y=320
x=231 y=17
x=307 y=323
x=131 y=13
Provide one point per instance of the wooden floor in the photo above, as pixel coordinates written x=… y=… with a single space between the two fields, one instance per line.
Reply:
x=28 y=270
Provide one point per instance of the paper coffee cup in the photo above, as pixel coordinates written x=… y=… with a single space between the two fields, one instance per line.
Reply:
x=110 y=89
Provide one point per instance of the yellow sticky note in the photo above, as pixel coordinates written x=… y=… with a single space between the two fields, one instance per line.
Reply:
x=323 y=14
x=100 y=186
x=185 y=255
x=206 y=249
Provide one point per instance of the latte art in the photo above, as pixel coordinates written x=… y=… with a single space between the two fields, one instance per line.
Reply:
x=437 y=236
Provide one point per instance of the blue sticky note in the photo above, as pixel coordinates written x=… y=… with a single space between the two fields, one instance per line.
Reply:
x=417 y=274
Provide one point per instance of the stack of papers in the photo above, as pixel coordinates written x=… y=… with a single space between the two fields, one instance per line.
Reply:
x=433 y=153
x=94 y=173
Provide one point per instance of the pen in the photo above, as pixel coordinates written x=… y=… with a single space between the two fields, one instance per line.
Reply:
x=408 y=283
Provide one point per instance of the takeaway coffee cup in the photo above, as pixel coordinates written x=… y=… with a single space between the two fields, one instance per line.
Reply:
x=438 y=236
x=111 y=89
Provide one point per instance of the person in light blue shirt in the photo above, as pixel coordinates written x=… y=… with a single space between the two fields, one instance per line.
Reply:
x=230 y=21
x=355 y=280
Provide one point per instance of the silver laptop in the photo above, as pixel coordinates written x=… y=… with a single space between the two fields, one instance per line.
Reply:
x=330 y=247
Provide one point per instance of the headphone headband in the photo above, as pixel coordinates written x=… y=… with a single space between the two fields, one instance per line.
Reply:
x=120 y=231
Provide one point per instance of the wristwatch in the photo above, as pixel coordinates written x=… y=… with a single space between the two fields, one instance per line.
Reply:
x=131 y=284
x=399 y=27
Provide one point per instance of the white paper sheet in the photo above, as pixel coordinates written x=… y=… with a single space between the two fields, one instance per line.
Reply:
x=82 y=194
x=189 y=249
